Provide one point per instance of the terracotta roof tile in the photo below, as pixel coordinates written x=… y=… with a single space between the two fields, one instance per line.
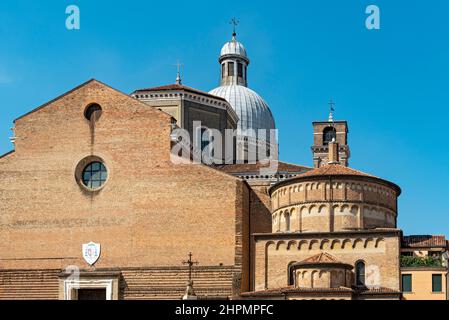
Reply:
x=335 y=169
x=330 y=170
x=376 y=290
x=292 y=289
x=422 y=241
x=320 y=257
x=171 y=87
x=255 y=167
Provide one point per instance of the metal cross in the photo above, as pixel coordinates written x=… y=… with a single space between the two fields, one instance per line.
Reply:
x=178 y=74
x=190 y=262
x=234 y=22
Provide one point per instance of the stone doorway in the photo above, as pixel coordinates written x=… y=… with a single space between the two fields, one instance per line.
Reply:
x=91 y=294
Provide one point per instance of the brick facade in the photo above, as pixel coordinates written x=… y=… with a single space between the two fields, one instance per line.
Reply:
x=149 y=214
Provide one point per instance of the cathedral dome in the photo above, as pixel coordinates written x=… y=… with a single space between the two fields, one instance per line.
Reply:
x=252 y=110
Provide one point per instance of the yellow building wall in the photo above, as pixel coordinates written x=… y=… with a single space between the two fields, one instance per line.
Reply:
x=422 y=285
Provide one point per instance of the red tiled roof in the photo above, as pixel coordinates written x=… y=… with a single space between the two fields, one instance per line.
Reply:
x=320 y=257
x=255 y=167
x=334 y=169
x=323 y=291
x=422 y=241
x=171 y=87
x=337 y=170
x=376 y=290
x=292 y=289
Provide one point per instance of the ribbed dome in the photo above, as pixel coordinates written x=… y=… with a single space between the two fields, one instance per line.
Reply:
x=251 y=109
x=233 y=47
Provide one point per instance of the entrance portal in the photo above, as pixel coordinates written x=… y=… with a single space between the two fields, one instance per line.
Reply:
x=91 y=294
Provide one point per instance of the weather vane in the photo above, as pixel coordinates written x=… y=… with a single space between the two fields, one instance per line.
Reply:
x=178 y=75
x=234 y=22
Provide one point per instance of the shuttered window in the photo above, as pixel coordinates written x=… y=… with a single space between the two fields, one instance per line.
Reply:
x=406 y=283
x=436 y=283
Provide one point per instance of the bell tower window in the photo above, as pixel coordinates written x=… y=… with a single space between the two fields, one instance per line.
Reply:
x=329 y=134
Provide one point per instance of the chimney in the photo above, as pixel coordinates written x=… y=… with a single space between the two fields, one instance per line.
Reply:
x=333 y=152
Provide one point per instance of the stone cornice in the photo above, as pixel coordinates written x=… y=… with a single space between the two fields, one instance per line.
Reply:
x=182 y=94
x=318 y=235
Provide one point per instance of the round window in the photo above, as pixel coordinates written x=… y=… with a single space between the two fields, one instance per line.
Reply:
x=94 y=175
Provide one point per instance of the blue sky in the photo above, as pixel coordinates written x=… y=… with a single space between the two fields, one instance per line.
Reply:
x=391 y=84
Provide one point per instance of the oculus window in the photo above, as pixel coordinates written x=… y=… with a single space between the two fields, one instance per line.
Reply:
x=94 y=175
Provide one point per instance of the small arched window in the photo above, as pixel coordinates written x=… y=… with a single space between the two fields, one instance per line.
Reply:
x=287 y=221
x=239 y=69
x=360 y=273
x=230 y=69
x=291 y=274
x=223 y=68
x=329 y=134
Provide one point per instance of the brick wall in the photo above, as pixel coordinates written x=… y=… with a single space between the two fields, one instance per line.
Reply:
x=150 y=212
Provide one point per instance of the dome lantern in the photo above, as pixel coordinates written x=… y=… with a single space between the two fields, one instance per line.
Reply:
x=253 y=112
x=234 y=63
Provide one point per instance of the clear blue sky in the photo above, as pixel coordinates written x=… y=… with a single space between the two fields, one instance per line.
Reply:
x=391 y=85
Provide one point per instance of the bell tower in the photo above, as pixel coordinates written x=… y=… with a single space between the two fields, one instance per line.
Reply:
x=324 y=132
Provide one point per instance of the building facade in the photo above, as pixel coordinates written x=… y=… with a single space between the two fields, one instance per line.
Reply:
x=424 y=267
x=93 y=206
x=106 y=177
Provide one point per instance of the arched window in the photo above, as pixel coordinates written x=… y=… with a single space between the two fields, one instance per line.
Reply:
x=230 y=69
x=223 y=68
x=329 y=134
x=291 y=274
x=287 y=222
x=360 y=273
x=239 y=69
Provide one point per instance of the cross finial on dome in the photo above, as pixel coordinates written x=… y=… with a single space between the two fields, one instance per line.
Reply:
x=178 y=74
x=332 y=109
x=234 y=22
